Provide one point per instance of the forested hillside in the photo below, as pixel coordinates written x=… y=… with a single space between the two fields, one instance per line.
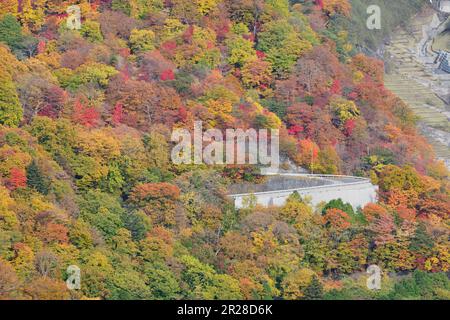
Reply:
x=393 y=14
x=86 y=178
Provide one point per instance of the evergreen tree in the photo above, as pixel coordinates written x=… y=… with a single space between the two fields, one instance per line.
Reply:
x=11 y=31
x=421 y=242
x=314 y=291
x=36 y=180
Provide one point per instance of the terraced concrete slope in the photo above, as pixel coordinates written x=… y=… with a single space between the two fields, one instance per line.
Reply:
x=442 y=42
x=413 y=77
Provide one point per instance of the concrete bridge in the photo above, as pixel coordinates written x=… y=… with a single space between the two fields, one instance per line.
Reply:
x=319 y=188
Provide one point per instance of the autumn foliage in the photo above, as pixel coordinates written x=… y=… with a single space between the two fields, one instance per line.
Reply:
x=86 y=176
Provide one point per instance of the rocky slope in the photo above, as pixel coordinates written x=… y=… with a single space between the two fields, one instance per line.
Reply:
x=412 y=75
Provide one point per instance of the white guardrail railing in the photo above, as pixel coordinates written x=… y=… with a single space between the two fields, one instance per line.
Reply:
x=336 y=182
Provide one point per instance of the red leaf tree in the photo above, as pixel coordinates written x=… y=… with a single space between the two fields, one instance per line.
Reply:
x=17 y=179
x=117 y=115
x=87 y=116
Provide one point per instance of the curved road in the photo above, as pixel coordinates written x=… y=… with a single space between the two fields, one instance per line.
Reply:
x=355 y=190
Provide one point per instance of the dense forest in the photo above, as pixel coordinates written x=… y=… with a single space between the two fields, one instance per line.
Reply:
x=85 y=138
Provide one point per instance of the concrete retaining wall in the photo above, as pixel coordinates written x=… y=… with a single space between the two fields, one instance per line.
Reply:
x=354 y=190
